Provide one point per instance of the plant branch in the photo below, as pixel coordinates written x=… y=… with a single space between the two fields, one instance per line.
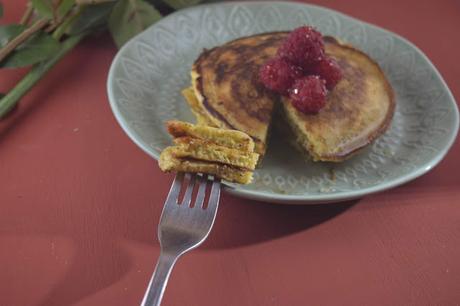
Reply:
x=27 y=14
x=10 y=46
x=60 y=30
x=50 y=28
x=61 y=20
x=35 y=74
x=55 y=5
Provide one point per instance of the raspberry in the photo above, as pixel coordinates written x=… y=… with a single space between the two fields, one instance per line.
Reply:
x=308 y=94
x=329 y=70
x=303 y=47
x=278 y=75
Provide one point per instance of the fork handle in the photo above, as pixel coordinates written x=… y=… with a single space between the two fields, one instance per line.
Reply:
x=159 y=279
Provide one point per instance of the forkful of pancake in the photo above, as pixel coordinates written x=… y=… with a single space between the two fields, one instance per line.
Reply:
x=332 y=98
x=227 y=154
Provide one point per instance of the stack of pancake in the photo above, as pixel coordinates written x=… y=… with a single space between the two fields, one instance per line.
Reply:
x=226 y=96
x=227 y=154
x=227 y=93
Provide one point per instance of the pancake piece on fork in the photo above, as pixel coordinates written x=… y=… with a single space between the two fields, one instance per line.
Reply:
x=227 y=154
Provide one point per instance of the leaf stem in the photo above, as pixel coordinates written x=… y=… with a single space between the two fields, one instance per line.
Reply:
x=27 y=14
x=35 y=74
x=60 y=30
x=54 y=5
x=11 y=45
x=61 y=20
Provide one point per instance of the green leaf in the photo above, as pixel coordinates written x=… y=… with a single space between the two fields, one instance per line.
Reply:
x=91 y=17
x=1 y=10
x=38 y=48
x=8 y=32
x=129 y=18
x=1 y=95
x=65 y=7
x=178 y=4
x=43 y=7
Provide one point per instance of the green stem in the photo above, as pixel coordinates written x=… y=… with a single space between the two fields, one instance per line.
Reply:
x=28 y=13
x=35 y=74
x=60 y=30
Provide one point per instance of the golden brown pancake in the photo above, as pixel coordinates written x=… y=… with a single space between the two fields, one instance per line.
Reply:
x=227 y=138
x=225 y=80
x=229 y=95
x=228 y=154
x=189 y=147
x=169 y=162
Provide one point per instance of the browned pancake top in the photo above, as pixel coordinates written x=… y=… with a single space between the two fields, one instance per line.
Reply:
x=228 y=83
x=357 y=111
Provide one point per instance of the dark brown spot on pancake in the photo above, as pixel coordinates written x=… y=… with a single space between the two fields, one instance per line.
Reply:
x=216 y=114
x=221 y=72
x=199 y=85
x=250 y=93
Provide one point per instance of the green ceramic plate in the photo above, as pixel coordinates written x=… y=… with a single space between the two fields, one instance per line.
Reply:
x=147 y=75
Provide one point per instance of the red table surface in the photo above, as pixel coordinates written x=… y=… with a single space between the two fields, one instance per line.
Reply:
x=80 y=203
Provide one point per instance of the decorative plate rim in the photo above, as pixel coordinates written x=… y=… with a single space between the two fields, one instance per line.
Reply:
x=295 y=198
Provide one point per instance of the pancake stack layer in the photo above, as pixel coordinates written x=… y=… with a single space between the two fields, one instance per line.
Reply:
x=227 y=154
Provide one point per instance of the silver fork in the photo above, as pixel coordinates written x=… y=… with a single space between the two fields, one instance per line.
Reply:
x=181 y=229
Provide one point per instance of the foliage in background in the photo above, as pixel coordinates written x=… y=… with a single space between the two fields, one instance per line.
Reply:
x=49 y=29
x=129 y=18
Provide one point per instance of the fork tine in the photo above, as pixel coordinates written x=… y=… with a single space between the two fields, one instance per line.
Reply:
x=188 y=192
x=173 y=194
x=201 y=194
x=215 y=194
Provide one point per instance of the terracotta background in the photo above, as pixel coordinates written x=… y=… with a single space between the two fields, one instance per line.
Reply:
x=79 y=204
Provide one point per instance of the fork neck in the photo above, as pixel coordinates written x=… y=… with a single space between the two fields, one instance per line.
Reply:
x=159 y=280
